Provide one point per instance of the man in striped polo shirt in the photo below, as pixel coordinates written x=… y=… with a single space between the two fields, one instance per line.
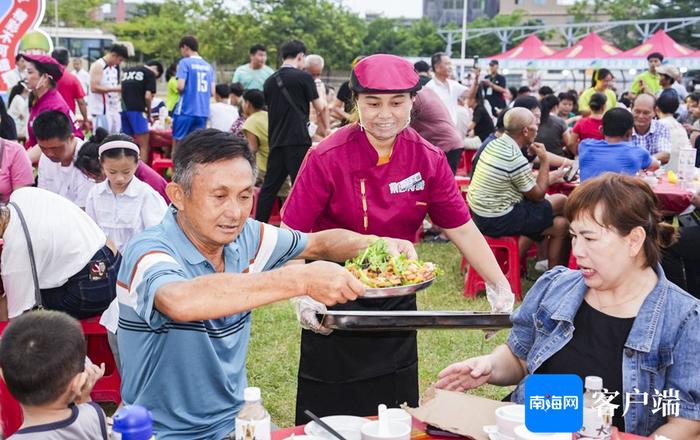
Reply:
x=187 y=286
x=505 y=197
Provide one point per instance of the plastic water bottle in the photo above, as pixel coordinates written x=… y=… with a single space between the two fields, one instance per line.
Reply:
x=595 y=425
x=132 y=422
x=253 y=421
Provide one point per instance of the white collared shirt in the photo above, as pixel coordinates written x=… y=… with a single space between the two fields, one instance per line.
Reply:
x=449 y=92
x=121 y=216
x=68 y=181
x=64 y=239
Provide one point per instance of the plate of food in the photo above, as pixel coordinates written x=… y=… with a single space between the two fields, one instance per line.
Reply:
x=386 y=275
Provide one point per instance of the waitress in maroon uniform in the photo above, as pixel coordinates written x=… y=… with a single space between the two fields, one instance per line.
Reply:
x=375 y=176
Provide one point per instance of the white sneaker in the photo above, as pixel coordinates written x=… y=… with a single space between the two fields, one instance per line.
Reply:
x=542 y=266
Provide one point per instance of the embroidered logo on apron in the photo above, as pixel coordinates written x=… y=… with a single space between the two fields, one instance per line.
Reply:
x=412 y=183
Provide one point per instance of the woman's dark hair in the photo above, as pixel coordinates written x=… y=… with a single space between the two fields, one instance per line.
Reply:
x=597 y=102
x=170 y=72
x=667 y=102
x=88 y=160
x=236 y=89
x=8 y=130
x=118 y=153
x=255 y=98
x=513 y=91
x=16 y=90
x=639 y=210
x=42 y=71
x=545 y=91
x=600 y=74
x=546 y=105
x=528 y=102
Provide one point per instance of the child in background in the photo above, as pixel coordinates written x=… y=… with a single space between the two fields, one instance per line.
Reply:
x=122 y=205
x=42 y=356
x=222 y=115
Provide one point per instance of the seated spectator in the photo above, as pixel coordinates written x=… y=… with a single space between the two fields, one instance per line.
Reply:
x=649 y=133
x=617 y=317
x=616 y=153
x=552 y=132
x=505 y=198
x=75 y=265
x=481 y=124
x=222 y=115
x=496 y=134
x=235 y=94
x=567 y=104
x=589 y=127
x=8 y=129
x=59 y=148
x=19 y=109
x=693 y=103
x=15 y=169
x=42 y=356
x=88 y=162
x=681 y=261
x=666 y=107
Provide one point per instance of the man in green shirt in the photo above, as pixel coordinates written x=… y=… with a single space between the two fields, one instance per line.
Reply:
x=648 y=82
x=254 y=74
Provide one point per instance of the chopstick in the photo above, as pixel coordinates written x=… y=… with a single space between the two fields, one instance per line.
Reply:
x=323 y=424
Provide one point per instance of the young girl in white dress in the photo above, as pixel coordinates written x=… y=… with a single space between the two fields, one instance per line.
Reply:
x=122 y=205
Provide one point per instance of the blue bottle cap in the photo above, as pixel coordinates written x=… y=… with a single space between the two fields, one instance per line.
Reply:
x=133 y=422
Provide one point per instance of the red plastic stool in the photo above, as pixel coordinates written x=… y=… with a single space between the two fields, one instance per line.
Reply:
x=465 y=162
x=160 y=164
x=106 y=389
x=505 y=249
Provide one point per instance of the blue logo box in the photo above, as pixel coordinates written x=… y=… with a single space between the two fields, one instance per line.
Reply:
x=553 y=403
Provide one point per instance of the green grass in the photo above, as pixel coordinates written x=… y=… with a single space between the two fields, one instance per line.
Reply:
x=273 y=356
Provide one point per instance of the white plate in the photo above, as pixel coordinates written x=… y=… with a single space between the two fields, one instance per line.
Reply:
x=347 y=426
x=492 y=432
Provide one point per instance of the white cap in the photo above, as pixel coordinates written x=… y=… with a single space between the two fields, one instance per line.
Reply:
x=592 y=383
x=251 y=394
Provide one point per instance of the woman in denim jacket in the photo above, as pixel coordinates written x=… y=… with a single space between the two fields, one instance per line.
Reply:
x=617 y=317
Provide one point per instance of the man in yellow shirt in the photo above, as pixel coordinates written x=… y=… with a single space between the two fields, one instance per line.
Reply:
x=648 y=81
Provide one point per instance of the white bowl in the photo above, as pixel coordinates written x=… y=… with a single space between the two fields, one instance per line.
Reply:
x=508 y=417
x=397 y=431
x=522 y=433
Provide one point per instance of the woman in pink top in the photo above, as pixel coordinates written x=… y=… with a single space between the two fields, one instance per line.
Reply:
x=42 y=74
x=378 y=177
x=15 y=168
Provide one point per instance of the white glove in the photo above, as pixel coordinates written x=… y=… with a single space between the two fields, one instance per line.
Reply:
x=500 y=298
x=306 y=309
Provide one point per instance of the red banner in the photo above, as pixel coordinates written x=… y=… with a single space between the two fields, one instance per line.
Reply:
x=22 y=16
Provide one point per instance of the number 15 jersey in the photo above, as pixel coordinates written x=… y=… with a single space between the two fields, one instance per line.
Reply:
x=199 y=78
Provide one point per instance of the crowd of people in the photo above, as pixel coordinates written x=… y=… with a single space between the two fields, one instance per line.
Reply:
x=173 y=269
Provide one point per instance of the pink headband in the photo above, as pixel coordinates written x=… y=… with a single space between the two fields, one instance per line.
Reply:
x=111 y=145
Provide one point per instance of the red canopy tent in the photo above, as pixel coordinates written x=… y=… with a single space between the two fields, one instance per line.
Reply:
x=585 y=53
x=531 y=47
x=659 y=42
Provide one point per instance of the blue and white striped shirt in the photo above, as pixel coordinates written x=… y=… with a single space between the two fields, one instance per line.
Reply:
x=190 y=375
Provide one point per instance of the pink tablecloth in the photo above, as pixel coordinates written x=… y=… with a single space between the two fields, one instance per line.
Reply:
x=672 y=198
x=418 y=433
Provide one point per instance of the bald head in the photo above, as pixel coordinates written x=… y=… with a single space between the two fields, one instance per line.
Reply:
x=516 y=119
x=645 y=100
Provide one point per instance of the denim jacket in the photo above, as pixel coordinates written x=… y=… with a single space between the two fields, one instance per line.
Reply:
x=662 y=350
